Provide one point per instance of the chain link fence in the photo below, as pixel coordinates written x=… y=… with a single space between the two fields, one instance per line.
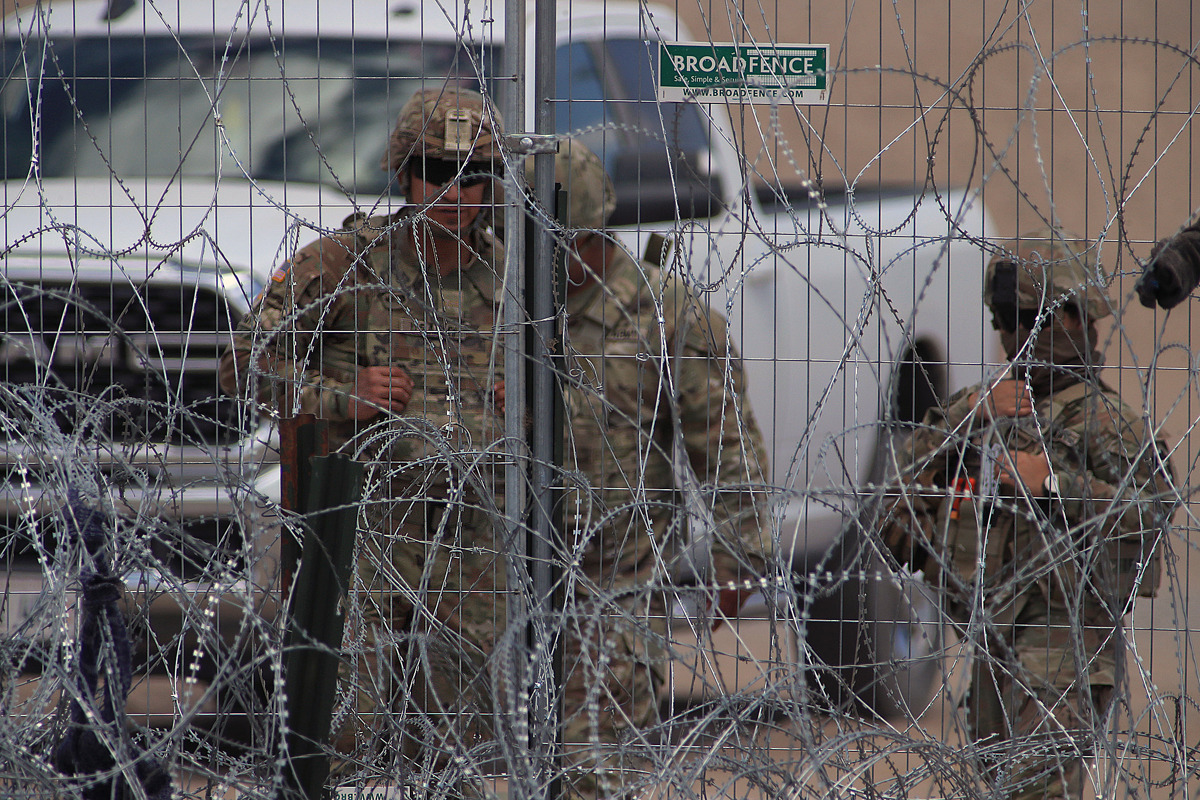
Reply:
x=440 y=480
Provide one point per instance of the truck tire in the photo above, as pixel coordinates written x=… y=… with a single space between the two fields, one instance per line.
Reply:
x=872 y=640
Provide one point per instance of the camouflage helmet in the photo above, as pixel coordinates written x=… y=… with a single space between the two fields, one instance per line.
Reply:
x=1048 y=268
x=448 y=123
x=591 y=197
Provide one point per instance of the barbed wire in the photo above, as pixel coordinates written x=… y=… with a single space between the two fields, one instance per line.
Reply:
x=853 y=663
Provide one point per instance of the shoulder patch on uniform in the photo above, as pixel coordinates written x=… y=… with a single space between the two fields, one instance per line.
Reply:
x=280 y=273
x=1071 y=438
x=626 y=332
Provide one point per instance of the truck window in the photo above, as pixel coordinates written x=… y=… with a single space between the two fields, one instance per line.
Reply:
x=657 y=153
x=578 y=78
x=327 y=123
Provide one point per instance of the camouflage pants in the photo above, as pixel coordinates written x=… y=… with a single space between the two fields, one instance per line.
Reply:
x=610 y=686
x=427 y=599
x=1040 y=694
x=427 y=668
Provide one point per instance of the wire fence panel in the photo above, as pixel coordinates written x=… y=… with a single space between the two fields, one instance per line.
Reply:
x=597 y=399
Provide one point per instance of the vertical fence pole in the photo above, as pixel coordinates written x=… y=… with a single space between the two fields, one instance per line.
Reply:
x=544 y=407
x=533 y=416
x=513 y=108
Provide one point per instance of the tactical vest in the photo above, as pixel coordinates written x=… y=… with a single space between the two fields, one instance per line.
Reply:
x=440 y=329
x=981 y=528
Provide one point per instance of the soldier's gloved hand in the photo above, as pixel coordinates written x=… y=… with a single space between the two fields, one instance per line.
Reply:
x=1173 y=271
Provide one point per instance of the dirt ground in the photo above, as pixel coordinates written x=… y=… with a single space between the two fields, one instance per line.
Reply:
x=1151 y=747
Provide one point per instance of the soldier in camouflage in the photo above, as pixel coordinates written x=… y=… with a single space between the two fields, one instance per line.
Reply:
x=385 y=330
x=664 y=476
x=1038 y=504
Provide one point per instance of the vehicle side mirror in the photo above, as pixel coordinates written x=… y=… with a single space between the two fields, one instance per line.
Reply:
x=661 y=186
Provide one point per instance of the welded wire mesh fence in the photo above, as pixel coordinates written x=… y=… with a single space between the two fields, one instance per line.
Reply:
x=313 y=477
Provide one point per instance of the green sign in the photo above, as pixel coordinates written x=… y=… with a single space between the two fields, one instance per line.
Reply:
x=743 y=73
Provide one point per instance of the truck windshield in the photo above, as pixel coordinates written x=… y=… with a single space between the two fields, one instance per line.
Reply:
x=199 y=107
x=657 y=153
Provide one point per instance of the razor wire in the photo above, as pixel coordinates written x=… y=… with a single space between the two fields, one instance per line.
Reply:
x=110 y=407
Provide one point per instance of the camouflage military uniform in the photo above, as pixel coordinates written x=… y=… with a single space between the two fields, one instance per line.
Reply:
x=361 y=297
x=648 y=367
x=1037 y=578
x=423 y=610
x=648 y=360
x=636 y=380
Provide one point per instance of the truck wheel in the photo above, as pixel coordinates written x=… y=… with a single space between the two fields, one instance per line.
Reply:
x=873 y=639
x=904 y=652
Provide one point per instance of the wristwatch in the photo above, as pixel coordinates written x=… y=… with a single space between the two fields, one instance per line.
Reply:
x=1050 y=485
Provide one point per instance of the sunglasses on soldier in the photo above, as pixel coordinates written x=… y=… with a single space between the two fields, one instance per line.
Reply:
x=1007 y=317
x=440 y=171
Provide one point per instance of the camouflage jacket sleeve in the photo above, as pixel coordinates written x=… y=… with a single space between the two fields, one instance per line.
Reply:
x=1112 y=477
x=917 y=486
x=276 y=354
x=722 y=440
x=1110 y=496
x=1113 y=472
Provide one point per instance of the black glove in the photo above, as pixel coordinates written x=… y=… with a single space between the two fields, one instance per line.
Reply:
x=1173 y=271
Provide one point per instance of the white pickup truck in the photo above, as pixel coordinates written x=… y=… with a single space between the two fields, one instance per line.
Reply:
x=162 y=158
